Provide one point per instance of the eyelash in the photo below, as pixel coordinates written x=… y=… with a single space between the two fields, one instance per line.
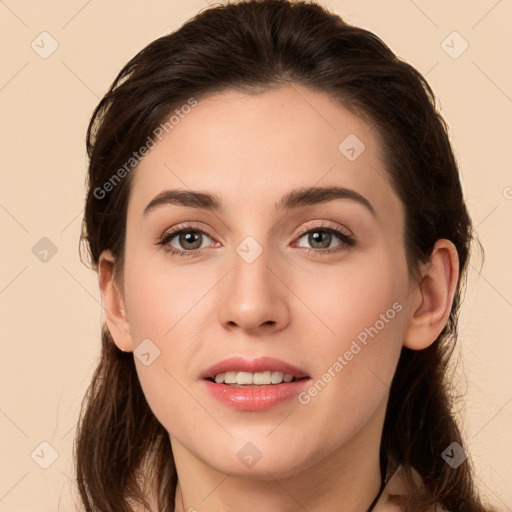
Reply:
x=347 y=240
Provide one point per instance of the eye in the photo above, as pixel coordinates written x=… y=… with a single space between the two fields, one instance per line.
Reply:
x=321 y=237
x=189 y=239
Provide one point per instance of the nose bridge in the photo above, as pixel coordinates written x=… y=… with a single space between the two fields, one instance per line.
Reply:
x=253 y=295
x=251 y=268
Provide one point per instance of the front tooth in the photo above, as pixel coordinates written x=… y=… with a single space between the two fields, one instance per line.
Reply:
x=249 y=379
x=277 y=377
x=244 y=378
x=262 y=378
x=230 y=377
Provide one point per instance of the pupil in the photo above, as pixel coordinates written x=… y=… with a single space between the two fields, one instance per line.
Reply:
x=189 y=238
x=317 y=237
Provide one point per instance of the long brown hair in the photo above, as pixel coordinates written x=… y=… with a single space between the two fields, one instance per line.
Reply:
x=256 y=45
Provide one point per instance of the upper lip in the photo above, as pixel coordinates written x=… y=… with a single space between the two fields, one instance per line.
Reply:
x=261 y=364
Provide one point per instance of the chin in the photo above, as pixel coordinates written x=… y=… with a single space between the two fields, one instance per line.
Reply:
x=263 y=471
x=261 y=460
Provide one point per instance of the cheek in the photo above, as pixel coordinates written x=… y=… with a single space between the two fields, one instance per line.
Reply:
x=346 y=301
x=359 y=325
x=167 y=308
x=160 y=303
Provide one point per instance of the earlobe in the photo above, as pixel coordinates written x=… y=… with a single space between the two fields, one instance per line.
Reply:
x=113 y=303
x=432 y=299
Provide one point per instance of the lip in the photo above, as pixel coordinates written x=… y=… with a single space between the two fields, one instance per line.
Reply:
x=261 y=364
x=254 y=398
x=258 y=398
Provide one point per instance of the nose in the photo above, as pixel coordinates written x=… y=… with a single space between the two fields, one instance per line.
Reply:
x=254 y=296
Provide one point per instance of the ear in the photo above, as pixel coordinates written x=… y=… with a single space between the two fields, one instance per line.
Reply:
x=432 y=299
x=113 y=303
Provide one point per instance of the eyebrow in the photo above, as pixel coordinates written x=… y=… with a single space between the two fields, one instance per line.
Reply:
x=296 y=198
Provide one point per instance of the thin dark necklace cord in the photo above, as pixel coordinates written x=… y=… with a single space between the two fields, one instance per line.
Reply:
x=379 y=494
x=384 y=475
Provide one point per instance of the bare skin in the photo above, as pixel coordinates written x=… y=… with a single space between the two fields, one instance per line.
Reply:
x=296 y=301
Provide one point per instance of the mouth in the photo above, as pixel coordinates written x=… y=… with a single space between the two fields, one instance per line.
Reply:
x=254 y=385
x=264 y=371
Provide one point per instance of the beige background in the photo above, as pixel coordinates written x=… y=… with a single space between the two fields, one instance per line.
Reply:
x=51 y=311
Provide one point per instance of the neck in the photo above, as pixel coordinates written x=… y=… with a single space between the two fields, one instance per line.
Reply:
x=349 y=475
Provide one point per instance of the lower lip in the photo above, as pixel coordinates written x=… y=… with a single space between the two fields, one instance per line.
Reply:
x=255 y=398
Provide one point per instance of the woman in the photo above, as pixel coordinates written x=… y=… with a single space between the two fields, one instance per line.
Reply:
x=293 y=356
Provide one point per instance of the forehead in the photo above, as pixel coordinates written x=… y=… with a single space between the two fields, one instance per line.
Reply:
x=250 y=149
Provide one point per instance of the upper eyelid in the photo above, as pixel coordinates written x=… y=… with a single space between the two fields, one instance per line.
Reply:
x=326 y=225
x=185 y=228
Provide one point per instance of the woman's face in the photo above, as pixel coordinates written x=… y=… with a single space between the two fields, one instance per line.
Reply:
x=319 y=282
